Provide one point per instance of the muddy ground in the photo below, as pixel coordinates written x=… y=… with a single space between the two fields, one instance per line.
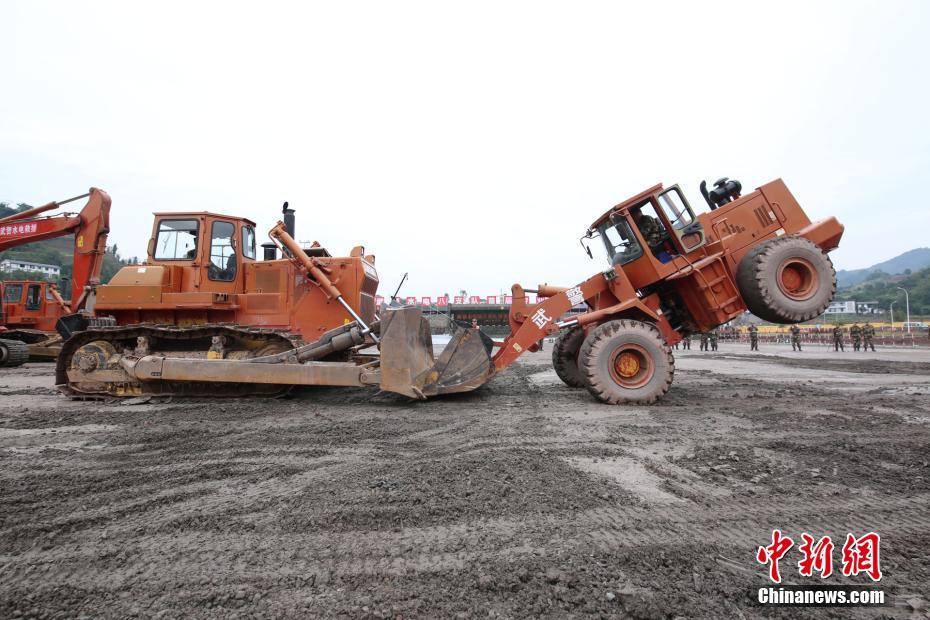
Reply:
x=526 y=498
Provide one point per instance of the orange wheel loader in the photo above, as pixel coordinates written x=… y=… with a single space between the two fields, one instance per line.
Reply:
x=673 y=273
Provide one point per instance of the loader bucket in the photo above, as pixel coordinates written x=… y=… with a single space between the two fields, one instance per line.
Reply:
x=407 y=363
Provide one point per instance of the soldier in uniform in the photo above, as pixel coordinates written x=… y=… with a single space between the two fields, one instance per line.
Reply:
x=713 y=340
x=855 y=332
x=753 y=338
x=838 y=338
x=686 y=343
x=795 y=338
x=703 y=341
x=651 y=229
x=868 y=332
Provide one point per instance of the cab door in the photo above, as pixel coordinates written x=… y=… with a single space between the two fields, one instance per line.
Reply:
x=24 y=301
x=33 y=305
x=688 y=232
x=223 y=269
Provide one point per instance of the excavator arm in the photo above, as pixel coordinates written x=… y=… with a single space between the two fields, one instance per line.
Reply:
x=89 y=227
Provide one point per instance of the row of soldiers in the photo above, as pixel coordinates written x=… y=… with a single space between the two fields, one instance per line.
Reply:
x=708 y=342
x=862 y=338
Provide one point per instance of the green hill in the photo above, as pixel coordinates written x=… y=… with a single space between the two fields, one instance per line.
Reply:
x=883 y=287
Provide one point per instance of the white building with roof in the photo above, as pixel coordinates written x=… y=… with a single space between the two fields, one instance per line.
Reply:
x=13 y=264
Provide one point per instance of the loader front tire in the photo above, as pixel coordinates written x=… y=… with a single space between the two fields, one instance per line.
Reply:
x=13 y=353
x=565 y=356
x=786 y=280
x=626 y=362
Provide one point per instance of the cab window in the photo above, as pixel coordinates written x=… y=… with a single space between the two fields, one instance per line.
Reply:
x=33 y=297
x=177 y=240
x=13 y=293
x=622 y=246
x=222 y=253
x=48 y=294
x=676 y=208
x=248 y=242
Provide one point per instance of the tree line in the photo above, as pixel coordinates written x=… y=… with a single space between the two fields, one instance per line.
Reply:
x=883 y=288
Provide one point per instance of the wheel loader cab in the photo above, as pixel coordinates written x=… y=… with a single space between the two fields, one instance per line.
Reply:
x=647 y=233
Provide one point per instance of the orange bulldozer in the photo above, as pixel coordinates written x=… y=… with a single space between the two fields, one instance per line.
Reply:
x=203 y=315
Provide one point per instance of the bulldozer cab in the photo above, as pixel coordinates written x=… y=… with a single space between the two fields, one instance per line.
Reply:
x=211 y=248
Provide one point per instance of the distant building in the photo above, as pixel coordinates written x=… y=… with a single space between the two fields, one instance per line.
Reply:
x=854 y=307
x=49 y=271
x=841 y=307
x=868 y=307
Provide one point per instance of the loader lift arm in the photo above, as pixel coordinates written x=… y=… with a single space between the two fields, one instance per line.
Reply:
x=610 y=292
x=90 y=228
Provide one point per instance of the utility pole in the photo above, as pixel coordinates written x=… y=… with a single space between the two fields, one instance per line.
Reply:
x=907 y=304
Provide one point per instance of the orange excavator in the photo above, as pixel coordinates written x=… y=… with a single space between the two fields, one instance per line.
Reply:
x=204 y=316
x=31 y=309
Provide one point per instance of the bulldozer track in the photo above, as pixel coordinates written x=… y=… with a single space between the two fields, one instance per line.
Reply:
x=119 y=335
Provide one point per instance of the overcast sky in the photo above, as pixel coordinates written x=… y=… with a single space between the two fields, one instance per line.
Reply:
x=470 y=144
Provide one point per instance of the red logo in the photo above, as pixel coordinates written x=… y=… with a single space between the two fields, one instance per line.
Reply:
x=817 y=557
x=773 y=553
x=860 y=555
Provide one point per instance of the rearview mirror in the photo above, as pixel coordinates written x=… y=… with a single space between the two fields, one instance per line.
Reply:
x=586 y=248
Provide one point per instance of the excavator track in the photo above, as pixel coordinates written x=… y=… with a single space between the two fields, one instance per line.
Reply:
x=89 y=363
x=42 y=346
x=13 y=353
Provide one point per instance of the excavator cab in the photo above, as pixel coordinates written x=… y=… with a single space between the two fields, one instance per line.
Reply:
x=31 y=304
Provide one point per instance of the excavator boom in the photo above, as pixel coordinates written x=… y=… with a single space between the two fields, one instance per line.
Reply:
x=89 y=227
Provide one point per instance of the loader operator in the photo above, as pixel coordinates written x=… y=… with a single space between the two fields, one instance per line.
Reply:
x=654 y=233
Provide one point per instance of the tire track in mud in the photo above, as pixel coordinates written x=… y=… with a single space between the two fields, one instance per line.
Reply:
x=851 y=365
x=92 y=564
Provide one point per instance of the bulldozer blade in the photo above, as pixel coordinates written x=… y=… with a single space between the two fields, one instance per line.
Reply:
x=408 y=366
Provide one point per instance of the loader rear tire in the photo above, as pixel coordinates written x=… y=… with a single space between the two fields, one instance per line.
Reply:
x=13 y=353
x=626 y=362
x=565 y=356
x=786 y=280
